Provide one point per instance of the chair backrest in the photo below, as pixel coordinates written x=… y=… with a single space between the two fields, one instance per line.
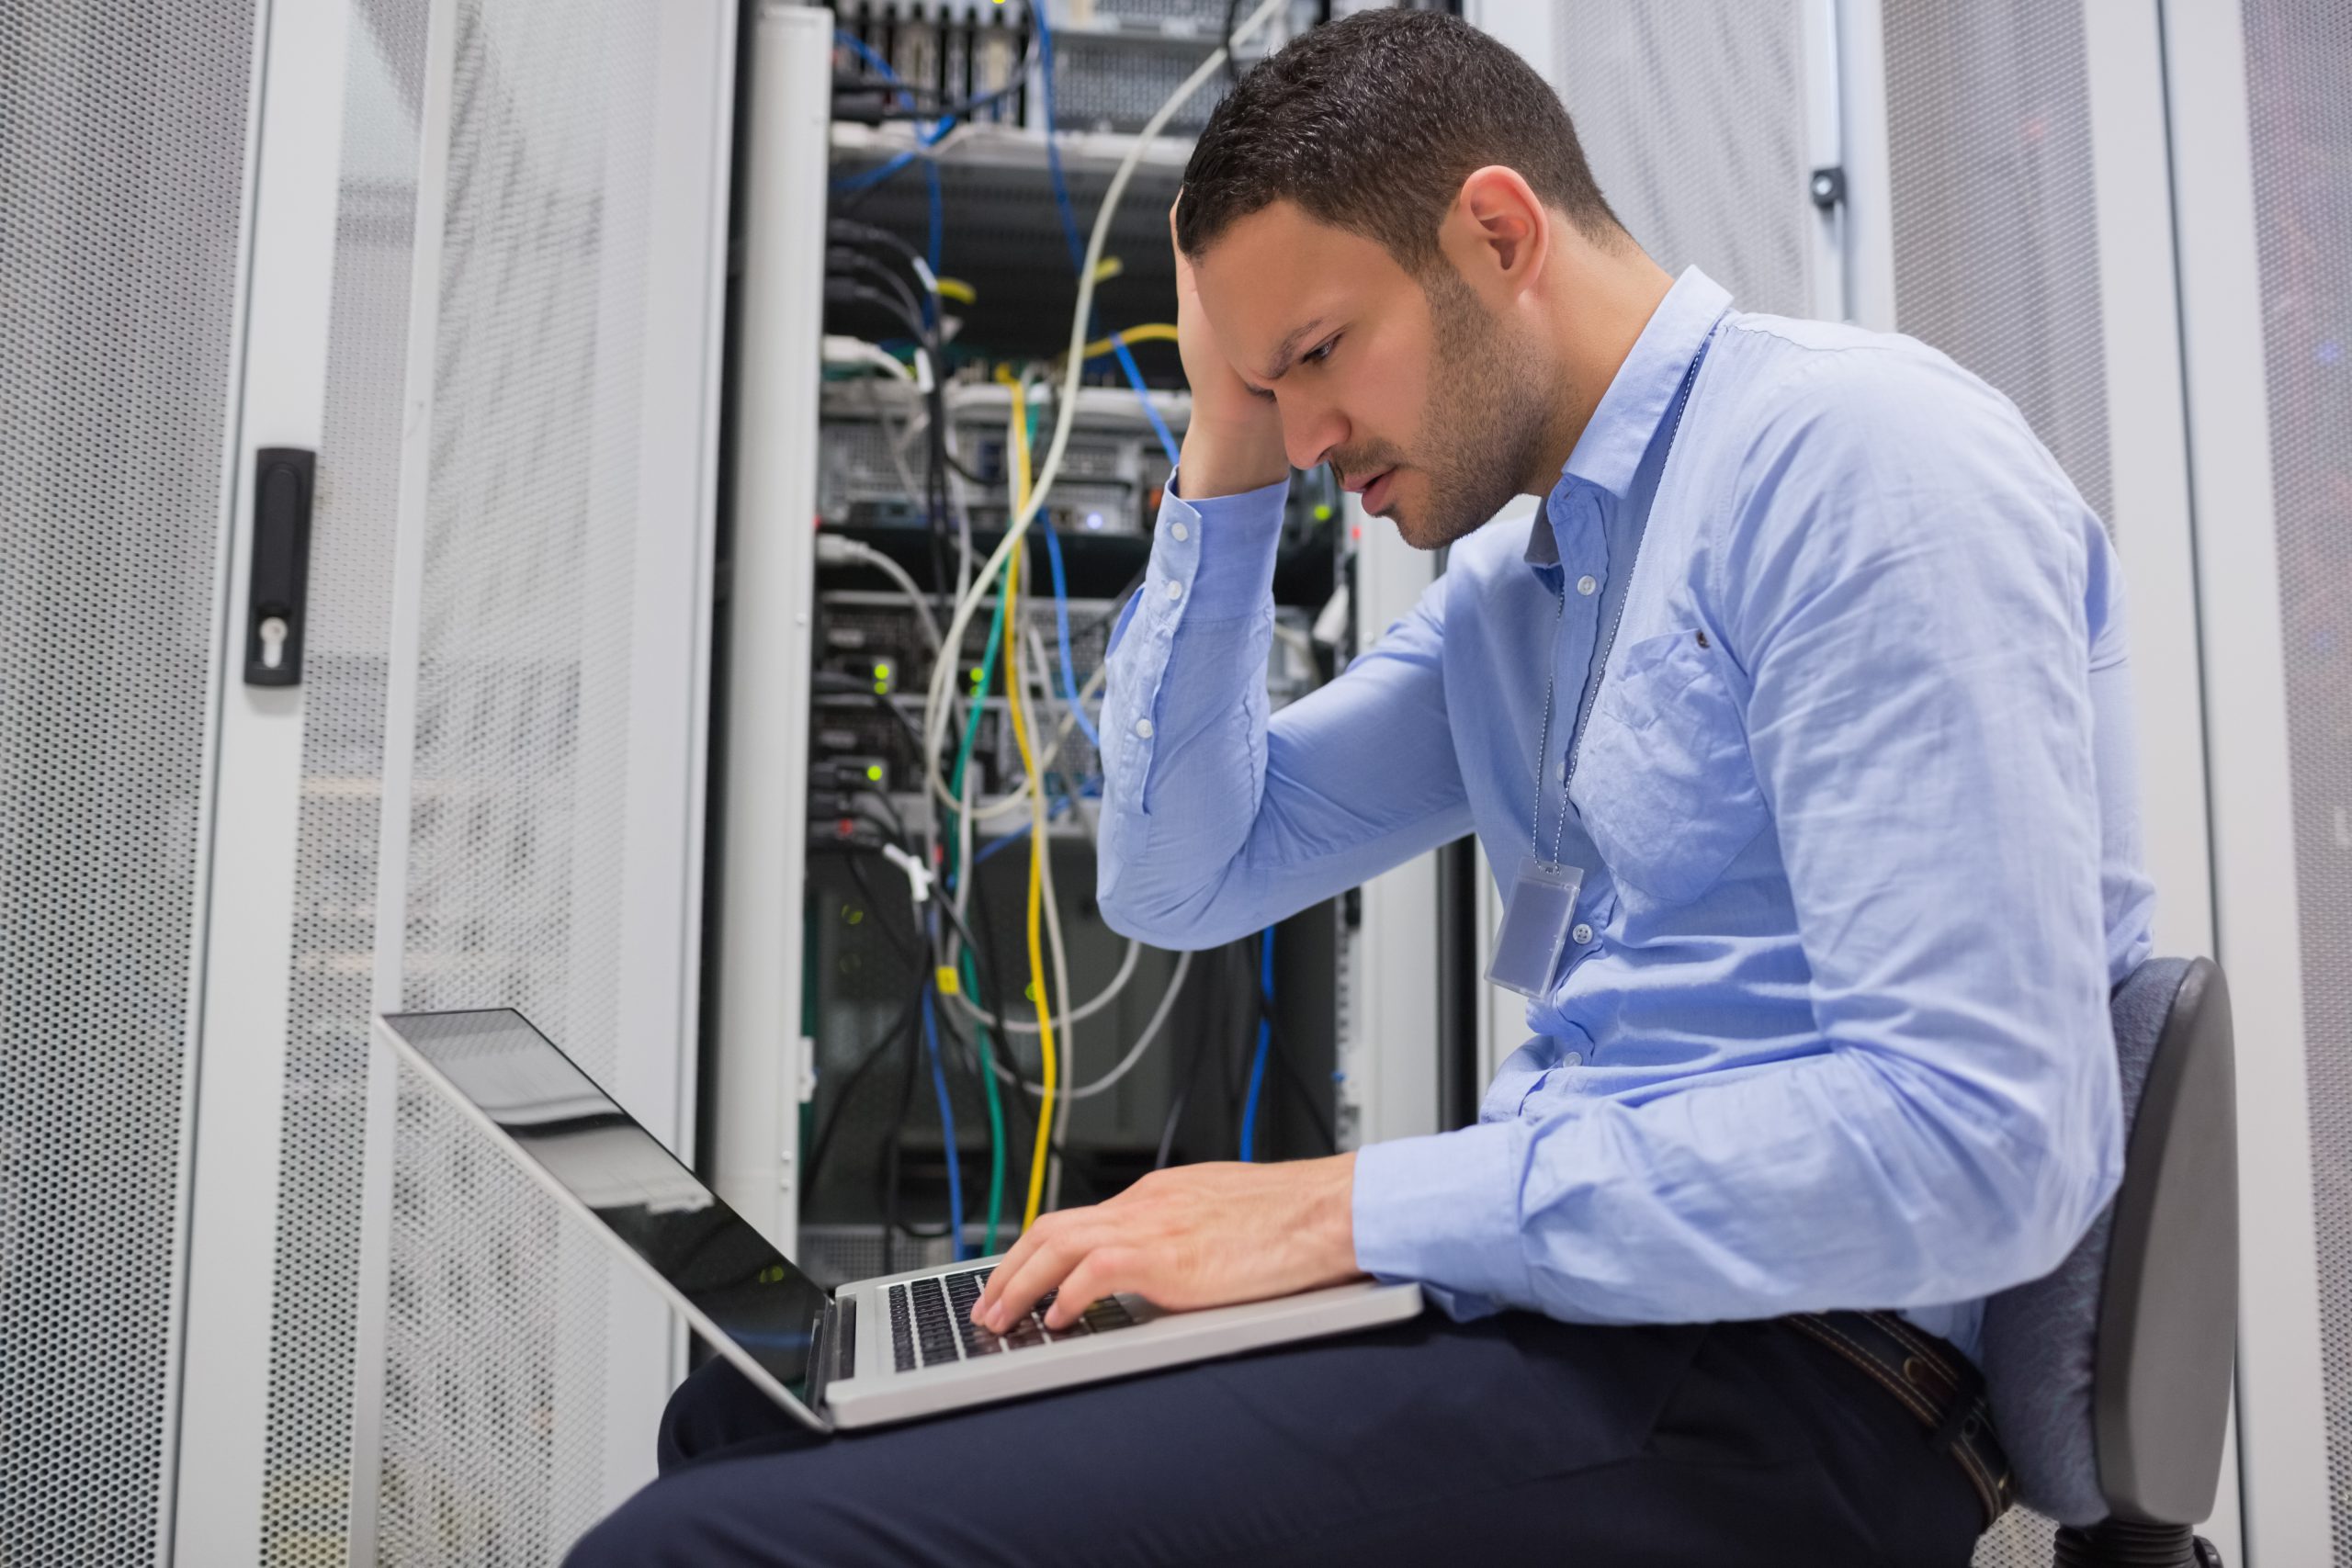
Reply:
x=2109 y=1378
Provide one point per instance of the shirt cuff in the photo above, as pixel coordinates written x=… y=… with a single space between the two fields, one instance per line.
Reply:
x=1226 y=553
x=1444 y=1210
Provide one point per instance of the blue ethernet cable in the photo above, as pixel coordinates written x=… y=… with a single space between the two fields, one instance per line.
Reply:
x=947 y=1126
x=1265 y=1044
x=883 y=171
x=1134 y=373
x=1061 y=629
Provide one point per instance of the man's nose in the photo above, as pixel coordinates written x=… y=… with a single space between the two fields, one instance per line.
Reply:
x=1310 y=432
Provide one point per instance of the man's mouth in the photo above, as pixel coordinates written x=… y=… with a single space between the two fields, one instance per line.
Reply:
x=1375 y=491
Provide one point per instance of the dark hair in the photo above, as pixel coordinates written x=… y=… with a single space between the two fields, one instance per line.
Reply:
x=1371 y=123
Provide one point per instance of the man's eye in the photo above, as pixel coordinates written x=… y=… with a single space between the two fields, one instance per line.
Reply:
x=1322 y=352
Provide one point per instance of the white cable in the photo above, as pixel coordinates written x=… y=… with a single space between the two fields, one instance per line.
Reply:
x=836 y=549
x=1135 y=1052
x=938 y=700
x=844 y=352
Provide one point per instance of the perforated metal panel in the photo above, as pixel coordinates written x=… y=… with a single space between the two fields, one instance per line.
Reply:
x=1996 y=230
x=307 y=1495
x=2299 y=61
x=497 y=1353
x=122 y=158
x=1692 y=116
x=2022 y=1539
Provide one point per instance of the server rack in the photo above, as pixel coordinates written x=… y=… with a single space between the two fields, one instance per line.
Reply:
x=825 y=679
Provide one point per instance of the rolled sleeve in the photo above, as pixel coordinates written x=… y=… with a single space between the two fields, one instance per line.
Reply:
x=1444 y=1210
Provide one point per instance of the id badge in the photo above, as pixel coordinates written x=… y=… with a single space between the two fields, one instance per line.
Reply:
x=1536 y=917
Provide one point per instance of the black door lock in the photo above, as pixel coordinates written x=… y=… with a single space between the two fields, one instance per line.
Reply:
x=282 y=565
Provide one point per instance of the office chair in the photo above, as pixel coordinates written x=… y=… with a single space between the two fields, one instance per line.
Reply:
x=2110 y=1378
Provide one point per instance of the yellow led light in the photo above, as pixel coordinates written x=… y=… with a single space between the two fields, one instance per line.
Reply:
x=949 y=985
x=1322 y=512
x=874 y=772
x=881 y=672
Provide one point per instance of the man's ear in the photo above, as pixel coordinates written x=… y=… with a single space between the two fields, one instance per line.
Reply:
x=1501 y=229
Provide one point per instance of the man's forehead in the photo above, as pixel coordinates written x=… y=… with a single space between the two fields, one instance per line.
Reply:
x=1277 y=277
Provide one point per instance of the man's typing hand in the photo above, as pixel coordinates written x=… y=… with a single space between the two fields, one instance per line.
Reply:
x=1198 y=1235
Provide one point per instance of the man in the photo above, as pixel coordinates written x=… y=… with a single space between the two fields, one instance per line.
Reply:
x=1795 y=728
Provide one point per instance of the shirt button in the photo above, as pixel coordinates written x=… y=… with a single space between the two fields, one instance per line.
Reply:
x=1585 y=585
x=1175 y=591
x=1573 y=1059
x=1181 y=532
x=1143 y=728
x=1581 y=934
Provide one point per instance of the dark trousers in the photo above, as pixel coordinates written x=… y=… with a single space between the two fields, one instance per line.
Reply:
x=1514 y=1439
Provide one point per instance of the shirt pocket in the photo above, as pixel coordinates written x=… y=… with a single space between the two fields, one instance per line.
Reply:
x=1665 y=785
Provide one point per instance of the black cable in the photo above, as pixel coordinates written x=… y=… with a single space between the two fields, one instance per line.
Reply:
x=874 y=1052
x=849 y=292
x=891 y=1150
x=1186 y=1076
x=911 y=954
x=876 y=88
x=1297 y=1081
x=840 y=261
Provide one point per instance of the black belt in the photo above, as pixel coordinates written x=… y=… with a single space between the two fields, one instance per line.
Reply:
x=1933 y=1381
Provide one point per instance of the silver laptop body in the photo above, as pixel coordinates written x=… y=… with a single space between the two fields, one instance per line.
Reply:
x=875 y=1350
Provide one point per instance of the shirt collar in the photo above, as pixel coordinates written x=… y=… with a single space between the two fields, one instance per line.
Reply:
x=1618 y=435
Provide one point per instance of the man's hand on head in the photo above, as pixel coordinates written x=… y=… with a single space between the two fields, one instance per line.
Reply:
x=1234 y=443
x=1199 y=1236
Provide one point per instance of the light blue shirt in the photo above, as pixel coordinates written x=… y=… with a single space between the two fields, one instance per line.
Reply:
x=1856 y=807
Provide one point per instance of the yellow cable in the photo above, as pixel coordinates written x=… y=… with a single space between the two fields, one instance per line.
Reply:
x=1018 y=441
x=1150 y=331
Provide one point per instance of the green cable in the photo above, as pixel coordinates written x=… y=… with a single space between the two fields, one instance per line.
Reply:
x=969 y=974
x=996 y=1109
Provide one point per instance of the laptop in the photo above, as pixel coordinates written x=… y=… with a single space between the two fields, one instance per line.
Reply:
x=876 y=1351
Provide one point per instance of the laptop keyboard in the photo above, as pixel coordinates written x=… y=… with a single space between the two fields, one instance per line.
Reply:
x=931 y=1322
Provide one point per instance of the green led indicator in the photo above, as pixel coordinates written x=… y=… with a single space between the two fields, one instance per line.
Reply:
x=874 y=772
x=1322 y=512
x=881 y=672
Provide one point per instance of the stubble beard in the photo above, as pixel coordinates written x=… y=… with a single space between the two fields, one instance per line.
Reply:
x=1482 y=436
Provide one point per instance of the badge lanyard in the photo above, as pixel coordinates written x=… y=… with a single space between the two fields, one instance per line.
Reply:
x=1542 y=900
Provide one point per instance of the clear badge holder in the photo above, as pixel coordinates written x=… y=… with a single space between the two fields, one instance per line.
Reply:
x=1537 y=916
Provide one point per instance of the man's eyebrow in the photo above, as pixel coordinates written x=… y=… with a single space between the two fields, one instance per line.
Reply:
x=1286 y=352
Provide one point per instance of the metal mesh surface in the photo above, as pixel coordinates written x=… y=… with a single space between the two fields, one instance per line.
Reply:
x=2298 y=58
x=122 y=157
x=1996 y=228
x=496 y=1359
x=2022 y=1539
x=1692 y=116
x=306 y=1498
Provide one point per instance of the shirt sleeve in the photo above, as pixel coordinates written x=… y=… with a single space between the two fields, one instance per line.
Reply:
x=1901 y=587
x=1219 y=819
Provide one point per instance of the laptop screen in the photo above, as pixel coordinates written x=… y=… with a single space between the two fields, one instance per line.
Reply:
x=573 y=1130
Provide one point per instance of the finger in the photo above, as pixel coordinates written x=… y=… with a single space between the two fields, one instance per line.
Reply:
x=1104 y=1271
x=1015 y=1256
x=1046 y=1268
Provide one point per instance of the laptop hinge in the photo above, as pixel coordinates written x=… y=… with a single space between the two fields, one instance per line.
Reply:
x=825 y=1342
